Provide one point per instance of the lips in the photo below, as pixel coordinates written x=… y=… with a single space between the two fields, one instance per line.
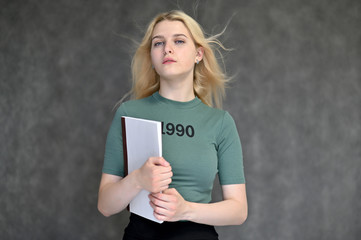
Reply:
x=168 y=60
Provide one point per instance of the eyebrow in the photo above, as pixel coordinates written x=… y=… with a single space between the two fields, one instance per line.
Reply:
x=175 y=35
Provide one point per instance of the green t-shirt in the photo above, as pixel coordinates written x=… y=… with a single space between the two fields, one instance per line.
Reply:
x=198 y=142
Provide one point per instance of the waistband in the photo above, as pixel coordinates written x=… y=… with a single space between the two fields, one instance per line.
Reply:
x=141 y=228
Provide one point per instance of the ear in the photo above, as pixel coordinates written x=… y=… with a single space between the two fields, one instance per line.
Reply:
x=199 y=55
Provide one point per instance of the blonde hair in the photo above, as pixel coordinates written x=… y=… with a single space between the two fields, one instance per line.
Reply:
x=209 y=80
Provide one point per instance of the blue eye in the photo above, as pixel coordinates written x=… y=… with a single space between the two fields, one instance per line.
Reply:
x=179 y=41
x=158 y=44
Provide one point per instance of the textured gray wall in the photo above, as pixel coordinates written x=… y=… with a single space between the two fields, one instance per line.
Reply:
x=296 y=98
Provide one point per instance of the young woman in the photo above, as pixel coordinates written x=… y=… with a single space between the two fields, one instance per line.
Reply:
x=176 y=80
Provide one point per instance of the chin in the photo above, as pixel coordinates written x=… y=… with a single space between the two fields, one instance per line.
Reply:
x=174 y=75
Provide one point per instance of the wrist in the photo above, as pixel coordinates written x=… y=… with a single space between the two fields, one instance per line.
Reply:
x=188 y=211
x=136 y=176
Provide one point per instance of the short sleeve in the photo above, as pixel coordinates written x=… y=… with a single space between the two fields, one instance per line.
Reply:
x=113 y=157
x=230 y=158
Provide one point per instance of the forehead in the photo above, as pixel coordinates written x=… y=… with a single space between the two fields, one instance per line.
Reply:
x=167 y=28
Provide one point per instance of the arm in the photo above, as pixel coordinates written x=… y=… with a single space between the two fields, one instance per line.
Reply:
x=110 y=198
x=115 y=193
x=233 y=210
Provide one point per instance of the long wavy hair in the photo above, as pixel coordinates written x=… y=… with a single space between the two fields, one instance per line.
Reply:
x=209 y=80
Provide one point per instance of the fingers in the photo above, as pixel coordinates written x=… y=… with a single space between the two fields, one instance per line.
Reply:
x=159 y=161
x=166 y=174
x=168 y=195
x=163 y=185
x=162 y=205
x=170 y=191
x=159 y=164
x=165 y=205
x=159 y=212
x=166 y=182
x=159 y=183
x=161 y=179
x=161 y=174
x=155 y=175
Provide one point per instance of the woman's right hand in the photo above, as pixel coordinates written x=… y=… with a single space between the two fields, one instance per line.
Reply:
x=155 y=175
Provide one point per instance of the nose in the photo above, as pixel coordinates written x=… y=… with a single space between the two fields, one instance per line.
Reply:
x=167 y=49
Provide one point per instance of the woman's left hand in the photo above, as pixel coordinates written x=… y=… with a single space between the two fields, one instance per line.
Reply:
x=168 y=205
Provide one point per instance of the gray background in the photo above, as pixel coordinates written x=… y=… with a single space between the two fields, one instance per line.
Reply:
x=296 y=98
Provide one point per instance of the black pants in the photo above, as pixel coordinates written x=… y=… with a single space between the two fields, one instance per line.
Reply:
x=140 y=228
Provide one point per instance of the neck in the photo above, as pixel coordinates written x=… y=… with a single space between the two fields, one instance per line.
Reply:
x=181 y=91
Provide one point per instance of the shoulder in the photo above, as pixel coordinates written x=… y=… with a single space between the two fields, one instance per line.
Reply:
x=216 y=113
x=223 y=123
x=130 y=107
x=138 y=102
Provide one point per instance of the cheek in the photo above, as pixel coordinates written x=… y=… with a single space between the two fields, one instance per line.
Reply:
x=190 y=59
x=154 y=55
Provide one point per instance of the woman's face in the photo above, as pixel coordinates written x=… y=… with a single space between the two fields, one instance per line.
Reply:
x=173 y=51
